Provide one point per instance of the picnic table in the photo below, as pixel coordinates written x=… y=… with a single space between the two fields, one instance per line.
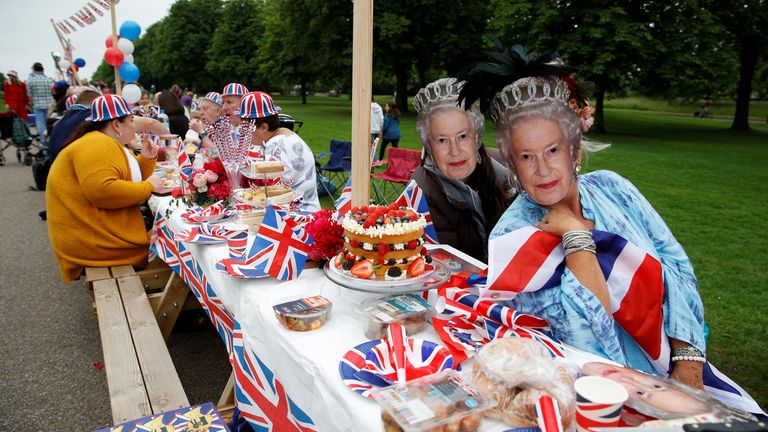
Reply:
x=284 y=380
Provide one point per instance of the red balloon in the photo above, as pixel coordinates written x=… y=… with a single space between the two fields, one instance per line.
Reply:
x=114 y=57
x=108 y=42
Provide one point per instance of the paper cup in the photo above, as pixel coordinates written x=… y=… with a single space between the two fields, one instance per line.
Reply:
x=598 y=402
x=237 y=241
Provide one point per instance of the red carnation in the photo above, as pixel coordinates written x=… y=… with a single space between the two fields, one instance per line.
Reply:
x=216 y=166
x=327 y=234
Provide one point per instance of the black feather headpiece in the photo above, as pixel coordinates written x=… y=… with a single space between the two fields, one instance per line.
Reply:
x=503 y=66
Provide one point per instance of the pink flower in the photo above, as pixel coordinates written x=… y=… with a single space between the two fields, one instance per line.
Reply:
x=199 y=180
x=586 y=119
x=211 y=176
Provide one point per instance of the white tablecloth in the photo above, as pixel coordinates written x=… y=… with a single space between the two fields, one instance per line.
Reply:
x=306 y=363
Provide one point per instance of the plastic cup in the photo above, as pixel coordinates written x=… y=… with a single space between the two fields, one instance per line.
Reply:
x=598 y=402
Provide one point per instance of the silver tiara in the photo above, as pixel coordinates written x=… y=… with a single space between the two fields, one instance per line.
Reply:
x=444 y=89
x=528 y=91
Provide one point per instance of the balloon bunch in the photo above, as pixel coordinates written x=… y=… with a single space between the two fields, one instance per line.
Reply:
x=121 y=57
x=75 y=66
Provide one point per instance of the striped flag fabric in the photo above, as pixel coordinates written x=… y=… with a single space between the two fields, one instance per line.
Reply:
x=109 y=107
x=278 y=249
x=344 y=203
x=528 y=259
x=414 y=198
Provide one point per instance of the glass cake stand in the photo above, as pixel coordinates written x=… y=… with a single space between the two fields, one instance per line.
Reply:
x=429 y=279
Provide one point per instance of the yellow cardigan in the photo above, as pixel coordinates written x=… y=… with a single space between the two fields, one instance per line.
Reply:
x=93 y=213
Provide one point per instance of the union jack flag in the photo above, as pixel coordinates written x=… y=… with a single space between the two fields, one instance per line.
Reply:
x=528 y=259
x=414 y=198
x=278 y=249
x=421 y=358
x=344 y=203
x=260 y=397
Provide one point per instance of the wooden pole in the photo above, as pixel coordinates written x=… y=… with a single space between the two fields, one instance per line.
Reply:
x=67 y=47
x=362 y=75
x=118 y=84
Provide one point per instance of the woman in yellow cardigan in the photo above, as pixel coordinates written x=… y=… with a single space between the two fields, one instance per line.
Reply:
x=93 y=191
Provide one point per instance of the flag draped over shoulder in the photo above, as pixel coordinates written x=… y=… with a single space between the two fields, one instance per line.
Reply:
x=527 y=260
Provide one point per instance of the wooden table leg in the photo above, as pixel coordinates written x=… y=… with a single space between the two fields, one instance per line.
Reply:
x=226 y=404
x=169 y=306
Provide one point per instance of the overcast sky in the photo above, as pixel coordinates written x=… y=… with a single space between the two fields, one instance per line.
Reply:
x=27 y=36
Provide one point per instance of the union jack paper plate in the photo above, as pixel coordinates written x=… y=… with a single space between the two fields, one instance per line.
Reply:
x=357 y=374
x=193 y=216
x=431 y=278
x=236 y=268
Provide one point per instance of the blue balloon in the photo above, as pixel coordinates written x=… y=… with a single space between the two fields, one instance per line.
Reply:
x=80 y=62
x=130 y=30
x=129 y=72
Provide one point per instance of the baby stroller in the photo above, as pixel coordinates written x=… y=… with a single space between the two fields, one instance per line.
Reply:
x=15 y=132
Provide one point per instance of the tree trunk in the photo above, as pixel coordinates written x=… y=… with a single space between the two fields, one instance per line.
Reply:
x=303 y=91
x=401 y=87
x=599 y=126
x=748 y=59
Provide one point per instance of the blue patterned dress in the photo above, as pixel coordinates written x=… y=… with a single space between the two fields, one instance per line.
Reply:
x=574 y=313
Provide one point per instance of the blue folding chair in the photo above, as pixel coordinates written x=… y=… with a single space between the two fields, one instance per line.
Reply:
x=339 y=164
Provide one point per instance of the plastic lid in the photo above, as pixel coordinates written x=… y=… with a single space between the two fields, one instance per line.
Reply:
x=306 y=307
x=432 y=401
x=393 y=308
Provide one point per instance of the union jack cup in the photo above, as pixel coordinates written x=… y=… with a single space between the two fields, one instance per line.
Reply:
x=237 y=241
x=598 y=402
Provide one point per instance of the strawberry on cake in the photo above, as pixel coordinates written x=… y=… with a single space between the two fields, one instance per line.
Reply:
x=383 y=242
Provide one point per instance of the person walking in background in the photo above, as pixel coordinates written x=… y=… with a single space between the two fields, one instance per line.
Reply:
x=377 y=118
x=390 y=131
x=16 y=95
x=39 y=92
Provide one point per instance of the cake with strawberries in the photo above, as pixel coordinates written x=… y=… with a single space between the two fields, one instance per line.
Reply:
x=383 y=242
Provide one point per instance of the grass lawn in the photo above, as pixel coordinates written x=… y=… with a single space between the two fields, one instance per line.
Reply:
x=709 y=184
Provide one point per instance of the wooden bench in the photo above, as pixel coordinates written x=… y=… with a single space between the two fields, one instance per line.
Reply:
x=141 y=377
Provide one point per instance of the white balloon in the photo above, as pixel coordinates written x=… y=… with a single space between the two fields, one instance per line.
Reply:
x=128 y=58
x=125 y=45
x=64 y=64
x=131 y=93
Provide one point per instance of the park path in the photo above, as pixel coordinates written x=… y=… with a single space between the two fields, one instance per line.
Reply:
x=49 y=336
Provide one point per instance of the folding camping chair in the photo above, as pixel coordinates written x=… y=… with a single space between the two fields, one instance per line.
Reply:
x=401 y=163
x=338 y=167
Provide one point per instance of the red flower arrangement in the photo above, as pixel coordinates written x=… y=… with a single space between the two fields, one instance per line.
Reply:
x=206 y=185
x=327 y=233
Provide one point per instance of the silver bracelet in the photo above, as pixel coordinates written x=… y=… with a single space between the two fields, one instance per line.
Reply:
x=578 y=240
x=689 y=358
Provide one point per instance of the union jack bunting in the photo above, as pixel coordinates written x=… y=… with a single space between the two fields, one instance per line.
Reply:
x=260 y=397
x=98 y=11
x=344 y=203
x=108 y=107
x=77 y=21
x=528 y=259
x=102 y=3
x=63 y=27
x=69 y=24
x=414 y=198
x=278 y=250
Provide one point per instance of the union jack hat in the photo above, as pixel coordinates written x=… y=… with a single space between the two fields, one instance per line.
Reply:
x=258 y=105
x=109 y=107
x=216 y=97
x=70 y=101
x=234 y=89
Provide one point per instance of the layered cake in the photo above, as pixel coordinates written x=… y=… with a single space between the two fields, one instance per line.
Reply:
x=383 y=243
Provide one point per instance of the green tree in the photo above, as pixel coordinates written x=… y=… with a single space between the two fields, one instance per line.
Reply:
x=180 y=54
x=405 y=36
x=104 y=73
x=235 y=42
x=148 y=58
x=746 y=22
x=607 y=40
x=305 y=41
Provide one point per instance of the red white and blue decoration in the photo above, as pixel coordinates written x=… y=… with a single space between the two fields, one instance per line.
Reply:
x=344 y=203
x=414 y=198
x=214 y=97
x=198 y=417
x=204 y=234
x=109 y=107
x=70 y=101
x=280 y=248
x=258 y=105
x=234 y=89
x=548 y=414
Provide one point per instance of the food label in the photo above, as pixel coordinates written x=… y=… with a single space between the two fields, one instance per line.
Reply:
x=415 y=411
x=301 y=305
x=397 y=306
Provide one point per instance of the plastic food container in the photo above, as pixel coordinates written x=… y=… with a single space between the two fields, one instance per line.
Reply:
x=409 y=310
x=303 y=314
x=439 y=402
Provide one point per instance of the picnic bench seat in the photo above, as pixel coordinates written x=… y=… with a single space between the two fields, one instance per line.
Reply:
x=141 y=377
